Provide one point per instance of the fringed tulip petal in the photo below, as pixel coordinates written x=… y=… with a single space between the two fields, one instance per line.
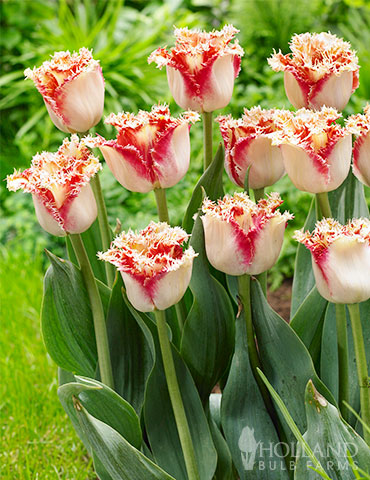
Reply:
x=359 y=125
x=340 y=259
x=155 y=269
x=241 y=236
x=72 y=86
x=316 y=151
x=321 y=70
x=247 y=143
x=152 y=149
x=59 y=184
x=201 y=67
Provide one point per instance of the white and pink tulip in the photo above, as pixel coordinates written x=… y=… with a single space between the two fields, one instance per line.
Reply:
x=155 y=269
x=316 y=151
x=359 y=125
x=321 y=69
x=152 y=149
x=340 y=259
x=72 y=86
x=59 y=183
x=201 y=67
x=247 y=144
x=241 y=236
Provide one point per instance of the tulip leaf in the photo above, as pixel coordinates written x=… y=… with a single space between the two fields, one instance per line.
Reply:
x=211 y=181
x=308 y=322
x=66 y=319
x=330 y=438
x=329 y=354
x=348 y=201
x=161 y=426
x=113 y=453
x=285 y=359
x=224 y=470
x=92 y=241
x=208 y=335
x=130 y=349
x=303 y=280
x=247 y=426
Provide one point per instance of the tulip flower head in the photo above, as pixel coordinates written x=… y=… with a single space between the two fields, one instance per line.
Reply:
x=241 y=236
x=154 y=267
x=316 y=151
x=201 y=67
x=321 y=70
x=152 y=149
x=72 y=86
x=360 y=126
x=247 y=143
x=59 y=184
x=340 y=259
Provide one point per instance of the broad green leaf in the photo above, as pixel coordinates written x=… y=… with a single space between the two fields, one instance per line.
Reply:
x=208 y=335
x=348 y=201
x=66 y=319
x=92 y=241
x=285 y=359
x=308 y=322
x=119 y=459
x=303 y=280
x=131 y=354
x=330 y=438
x=247 y=426
x=211 y=181
x=329 y=354
x=161 y=426
x=224 y=470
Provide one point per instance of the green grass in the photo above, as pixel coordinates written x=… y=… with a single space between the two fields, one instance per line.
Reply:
x=37 y=440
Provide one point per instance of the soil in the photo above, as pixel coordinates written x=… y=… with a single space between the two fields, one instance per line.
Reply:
x=280 y=299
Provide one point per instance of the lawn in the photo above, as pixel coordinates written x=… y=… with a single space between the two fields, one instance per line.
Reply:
x=37 y=439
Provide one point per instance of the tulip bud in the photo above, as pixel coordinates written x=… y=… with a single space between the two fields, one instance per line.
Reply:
x=201 y=67
x=155 y=269
x=316 y=151
x=360 y=126
x=59 y=183
x=152 y=149
x=241 y=236
x=340 y=259
x=321 y=70
x=247 y=143
x=72 y=87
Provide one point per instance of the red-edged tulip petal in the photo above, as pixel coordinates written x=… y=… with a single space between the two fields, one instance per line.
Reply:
x=359 y=125
x=72 y=87
x=340 y=259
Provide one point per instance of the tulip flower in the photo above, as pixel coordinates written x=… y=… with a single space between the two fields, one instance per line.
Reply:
x=154 y=267
x=72 y=87
x=321 y=70
x=360 y=126
x=340 y=259
x=152 y=149
x=247 y=143
x=316 y=151
x=201 y=67
x=59 y=183
x=241 y=236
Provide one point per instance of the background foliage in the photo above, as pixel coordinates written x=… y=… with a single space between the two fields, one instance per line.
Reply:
x=122 y=35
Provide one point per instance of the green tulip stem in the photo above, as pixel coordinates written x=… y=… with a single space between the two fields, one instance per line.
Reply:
x=160 y=198
x=105 y=232
x=244 y=290
x=262 y=277
x=97 y=310
x=175 y=396
x=342 y=344
x=363 y=377
x=207 y=139
x=323 y=201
